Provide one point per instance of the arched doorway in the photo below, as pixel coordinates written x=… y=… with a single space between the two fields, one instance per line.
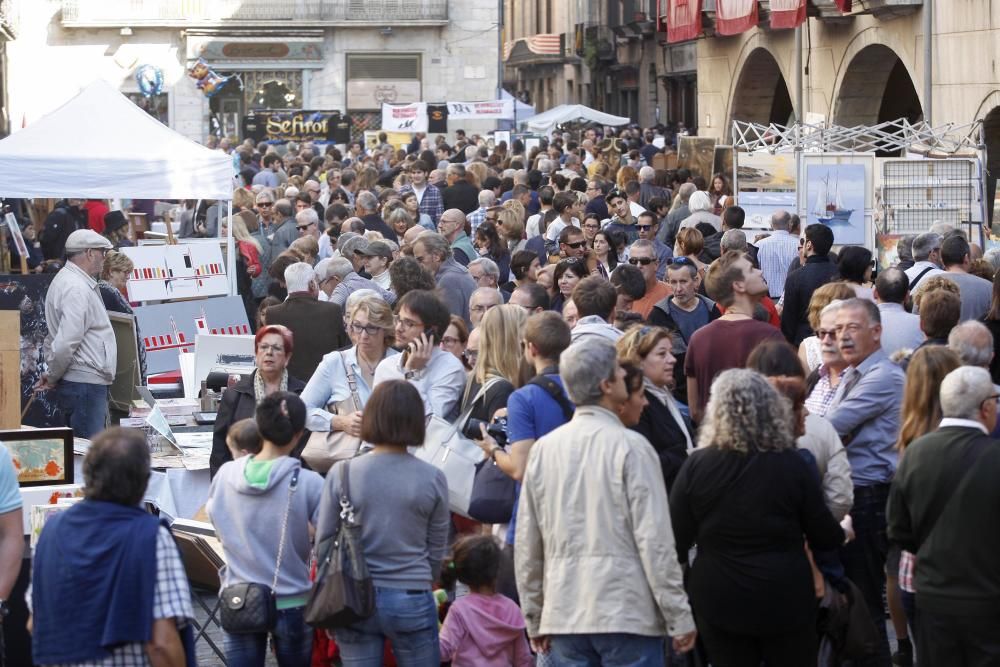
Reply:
x=876 y=88
x=761 y=94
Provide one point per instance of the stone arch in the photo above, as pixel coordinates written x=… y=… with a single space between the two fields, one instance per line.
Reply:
x=760 y=93
x=875 y=86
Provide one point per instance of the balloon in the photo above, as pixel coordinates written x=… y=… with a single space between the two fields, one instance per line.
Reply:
x=150 y=80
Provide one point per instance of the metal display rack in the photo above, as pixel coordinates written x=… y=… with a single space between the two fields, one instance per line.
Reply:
x=918 y=193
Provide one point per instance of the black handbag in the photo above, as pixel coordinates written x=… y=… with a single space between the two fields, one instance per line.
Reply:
x=494 y=493
x=343 y=593
x=250 y=608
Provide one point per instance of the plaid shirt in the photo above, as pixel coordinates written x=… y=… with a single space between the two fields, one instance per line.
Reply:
x=476 y=218
x=821 y=398
x=431 y=203
x=907 y=564
x=171 y=599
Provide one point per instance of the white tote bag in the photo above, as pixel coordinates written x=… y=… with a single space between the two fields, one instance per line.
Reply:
x=452 y=453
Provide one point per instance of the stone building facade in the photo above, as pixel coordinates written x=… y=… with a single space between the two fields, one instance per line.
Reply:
x=336 y=55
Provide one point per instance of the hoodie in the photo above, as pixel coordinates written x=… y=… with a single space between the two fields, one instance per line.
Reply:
x=248 y=522
x=484 y=631
x=594 y=326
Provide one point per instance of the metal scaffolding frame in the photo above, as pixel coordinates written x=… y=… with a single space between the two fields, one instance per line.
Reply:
x=949 y=140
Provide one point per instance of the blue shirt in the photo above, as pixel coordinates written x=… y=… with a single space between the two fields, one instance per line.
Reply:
x=328 y=384
x=10 y=493
x=531 y=413
x=867 y=418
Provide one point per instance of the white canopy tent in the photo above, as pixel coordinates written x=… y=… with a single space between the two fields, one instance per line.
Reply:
x=547 y=121
x=99 y=145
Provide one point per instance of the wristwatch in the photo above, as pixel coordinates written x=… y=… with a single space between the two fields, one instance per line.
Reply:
x=413 y=375
x=493 y=452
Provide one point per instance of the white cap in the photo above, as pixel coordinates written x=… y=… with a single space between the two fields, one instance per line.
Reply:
x=84 y=239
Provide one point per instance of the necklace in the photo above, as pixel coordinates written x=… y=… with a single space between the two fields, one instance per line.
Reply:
x=366 y=367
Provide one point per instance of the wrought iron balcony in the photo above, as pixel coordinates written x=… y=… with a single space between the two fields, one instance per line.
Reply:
x=229 y=13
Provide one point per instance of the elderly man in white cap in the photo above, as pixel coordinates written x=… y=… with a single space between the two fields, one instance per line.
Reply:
x=82 y=363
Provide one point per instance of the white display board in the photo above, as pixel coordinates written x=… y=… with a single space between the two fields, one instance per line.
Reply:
x=176 y=271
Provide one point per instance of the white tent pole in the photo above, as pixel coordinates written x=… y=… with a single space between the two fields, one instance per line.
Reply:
x=230 y=250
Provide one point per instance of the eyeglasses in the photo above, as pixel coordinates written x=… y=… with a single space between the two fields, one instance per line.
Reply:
x=271 y=348
x=265 y=204
x=645 y=261
x=405 y=323
x=826 y=333
x=480 y=308
x=576 y=246
x=644 y=228
x=103 y=251
x=450 y=340
x=993 y=397
x=472 y=355
x=370 y=329
x=592 y=225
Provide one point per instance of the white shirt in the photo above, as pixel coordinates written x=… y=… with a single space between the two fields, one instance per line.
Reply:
x=419 y=192
x=440 y=383
x=924 y=267
x=383 y=280
x=775 y=254
x=962 y=423
x=556 y=227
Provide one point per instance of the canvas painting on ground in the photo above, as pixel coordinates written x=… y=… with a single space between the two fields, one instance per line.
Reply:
x=888 y=256
x=176 y=271
x=760 y=206
x=722 y=163
x=171 y=328
x=835 y=196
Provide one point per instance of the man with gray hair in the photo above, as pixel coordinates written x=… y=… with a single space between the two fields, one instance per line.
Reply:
x=569 y=603
x=482 y=300
x=342 y=280
x=433 y=252
x=942 y=508
x=973 y=343
x=776 y=253
x=670 y=227
x=733 y=239
x=317 y=326
x=487 y=198
x=282 y=233
x=926 y=259
x=307 y=223
x=367 y=210
x=647 y=190
x=485 y=272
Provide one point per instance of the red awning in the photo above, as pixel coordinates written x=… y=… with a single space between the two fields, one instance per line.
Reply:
x=683 y=20
x=787 y=13
x=735 y=16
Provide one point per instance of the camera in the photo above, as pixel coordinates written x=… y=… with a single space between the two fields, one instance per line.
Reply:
x=497 y=429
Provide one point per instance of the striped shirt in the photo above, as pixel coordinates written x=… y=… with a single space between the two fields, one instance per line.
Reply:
x=775 y=254
x=821 y=398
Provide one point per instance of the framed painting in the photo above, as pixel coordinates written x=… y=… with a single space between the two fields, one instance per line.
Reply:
x=41 y=456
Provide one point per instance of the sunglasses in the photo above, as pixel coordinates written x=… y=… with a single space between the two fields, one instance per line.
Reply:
x=576 y=246
x=644 y=228
x=683 y=261
x=645 y=261
x=265 y=204
x=303 y=227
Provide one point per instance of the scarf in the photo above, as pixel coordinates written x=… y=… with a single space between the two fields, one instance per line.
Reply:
x=259 y=393
x=666 y=398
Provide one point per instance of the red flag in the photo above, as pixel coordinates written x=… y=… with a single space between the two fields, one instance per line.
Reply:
x=683 y=20
x=735 y=16
x=787 y=13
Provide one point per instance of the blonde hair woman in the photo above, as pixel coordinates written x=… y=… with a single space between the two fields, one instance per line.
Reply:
x=479 y=170
x=498 y=365
x=114 y=277
x=248 y=246
x=746 y=497
x=371 y=328
x=243 y=200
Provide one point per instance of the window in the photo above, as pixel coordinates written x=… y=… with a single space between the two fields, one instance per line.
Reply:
x=157 y=106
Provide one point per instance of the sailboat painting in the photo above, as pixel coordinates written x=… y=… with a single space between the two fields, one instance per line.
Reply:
x=836 y=198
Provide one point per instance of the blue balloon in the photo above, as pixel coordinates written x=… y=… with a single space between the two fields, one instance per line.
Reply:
x=149 y=78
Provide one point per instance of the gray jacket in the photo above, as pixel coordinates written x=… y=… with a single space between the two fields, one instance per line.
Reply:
x=456 y=287
x=83 y=343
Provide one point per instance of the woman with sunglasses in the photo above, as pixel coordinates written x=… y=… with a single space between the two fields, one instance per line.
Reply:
x=567 y=274
x=370 y=326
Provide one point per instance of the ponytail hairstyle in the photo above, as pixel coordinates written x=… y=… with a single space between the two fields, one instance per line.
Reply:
x=474 y=560
x=280 y=417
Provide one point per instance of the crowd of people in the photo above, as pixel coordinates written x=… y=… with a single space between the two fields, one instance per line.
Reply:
x=701 y=429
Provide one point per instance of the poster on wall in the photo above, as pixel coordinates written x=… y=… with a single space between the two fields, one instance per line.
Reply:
x=171 y=328
x=764 y=171
x=835 y=196
x=697 y=154
x=27 y=295
x=176 y=271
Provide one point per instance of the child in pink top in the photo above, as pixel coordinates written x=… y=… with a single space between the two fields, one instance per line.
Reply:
x=482 y=629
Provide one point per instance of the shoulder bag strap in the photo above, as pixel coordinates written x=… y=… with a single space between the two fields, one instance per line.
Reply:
x=346 y=508
x=464 y=417
x=919 y=276
x=556 y=392
x=352 y=382
x=284 y=526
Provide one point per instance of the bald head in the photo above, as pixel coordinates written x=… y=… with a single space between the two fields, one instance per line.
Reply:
x=973 y=343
